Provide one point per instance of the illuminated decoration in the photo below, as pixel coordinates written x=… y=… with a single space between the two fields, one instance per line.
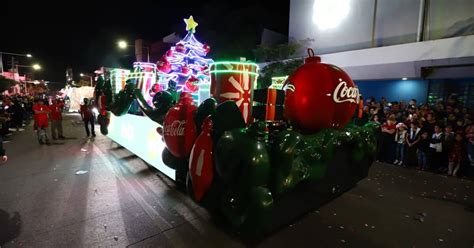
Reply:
x=277 y=82
x=235 y=81
x=144 y=77
x=250 y=172
x=184 y=66
x=118 y=77
x=138 y=135
x=191 y=24
x=329 y=14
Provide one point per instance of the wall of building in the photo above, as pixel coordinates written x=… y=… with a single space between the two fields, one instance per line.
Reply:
x=424 y=91
x=395 y=90
x=344 y=25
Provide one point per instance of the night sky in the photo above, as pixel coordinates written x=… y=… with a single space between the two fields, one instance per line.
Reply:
x=83 y=34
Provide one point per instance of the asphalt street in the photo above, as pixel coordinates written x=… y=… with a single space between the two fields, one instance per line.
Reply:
x=83 y=192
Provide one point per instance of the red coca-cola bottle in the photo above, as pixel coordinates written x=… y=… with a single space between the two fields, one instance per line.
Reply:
x=179 y=130
x=201 y=166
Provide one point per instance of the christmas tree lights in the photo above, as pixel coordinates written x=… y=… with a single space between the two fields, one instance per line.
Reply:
x=184 y=66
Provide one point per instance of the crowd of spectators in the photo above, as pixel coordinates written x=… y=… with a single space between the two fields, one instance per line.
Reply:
x=15 y=113
x=437 y=137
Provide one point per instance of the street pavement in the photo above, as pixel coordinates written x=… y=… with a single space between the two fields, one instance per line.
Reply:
x=83 y=192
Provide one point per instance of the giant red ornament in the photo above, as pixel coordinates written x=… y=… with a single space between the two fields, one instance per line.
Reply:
x=201 y=167
x=179 y=130
x=319 y=95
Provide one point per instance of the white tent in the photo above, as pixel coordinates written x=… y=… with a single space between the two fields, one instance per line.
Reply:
x=76 y=96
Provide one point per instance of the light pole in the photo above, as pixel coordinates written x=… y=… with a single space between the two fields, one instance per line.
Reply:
x=13 y=58
x=84 y=75
x=123 y=45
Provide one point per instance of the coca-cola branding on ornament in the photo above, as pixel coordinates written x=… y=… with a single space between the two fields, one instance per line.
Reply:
x=342 y=93
x=176 y=128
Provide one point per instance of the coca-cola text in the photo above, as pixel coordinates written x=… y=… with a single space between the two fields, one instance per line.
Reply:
x=176 y=128
x=342 y=93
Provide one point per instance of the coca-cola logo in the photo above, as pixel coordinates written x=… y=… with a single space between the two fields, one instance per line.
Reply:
x=342 y=93
x=176 y=128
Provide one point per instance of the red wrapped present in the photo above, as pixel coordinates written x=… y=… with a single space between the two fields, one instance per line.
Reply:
x=234 y=81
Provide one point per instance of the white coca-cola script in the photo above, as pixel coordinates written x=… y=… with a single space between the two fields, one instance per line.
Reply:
x=176 y=128
x=342 y=93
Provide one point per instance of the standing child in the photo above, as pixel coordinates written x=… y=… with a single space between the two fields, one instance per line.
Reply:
x=412 y=138
x=423 y=149
x=435 y=156
x=400 y=139
x=456 y=155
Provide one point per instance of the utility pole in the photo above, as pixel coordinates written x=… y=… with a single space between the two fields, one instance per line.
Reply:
x=1 y=63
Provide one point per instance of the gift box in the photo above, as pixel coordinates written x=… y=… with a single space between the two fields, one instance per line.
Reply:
x=268 y=104
x=234 y=81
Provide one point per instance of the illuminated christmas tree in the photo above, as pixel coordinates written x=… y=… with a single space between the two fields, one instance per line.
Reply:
x=184 y=67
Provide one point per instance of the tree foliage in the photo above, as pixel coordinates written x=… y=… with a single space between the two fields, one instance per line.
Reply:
x=279 y=52
x=275 y=69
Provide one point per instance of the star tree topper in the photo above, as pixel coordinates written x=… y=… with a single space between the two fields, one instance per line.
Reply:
x=190 y=24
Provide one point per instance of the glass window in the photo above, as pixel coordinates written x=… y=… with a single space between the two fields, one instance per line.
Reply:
x=450 y=18
x=334 y=26
x=396 y=22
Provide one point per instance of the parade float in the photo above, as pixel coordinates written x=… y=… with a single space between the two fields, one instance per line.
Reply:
x=256 y=158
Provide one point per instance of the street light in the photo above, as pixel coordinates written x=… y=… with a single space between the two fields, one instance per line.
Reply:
x=35 y=67
x=123 y=45
x=84 y=75
x=13 y=59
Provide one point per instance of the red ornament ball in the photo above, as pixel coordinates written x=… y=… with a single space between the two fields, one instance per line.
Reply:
x=192 y=84
x=185 y=69
x=206 y=47
x=180 y=48
x=319 y=95
x=163 y=65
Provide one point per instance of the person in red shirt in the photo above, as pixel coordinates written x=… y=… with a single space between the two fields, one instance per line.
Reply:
x=41 y=120
x=56 y=119
x=87 y=116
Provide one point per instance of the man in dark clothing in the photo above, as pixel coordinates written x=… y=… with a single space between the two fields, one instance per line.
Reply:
x=447 y=145
x=17 y=112
x=423 y=151
x=429 y=124
x=88 y=117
